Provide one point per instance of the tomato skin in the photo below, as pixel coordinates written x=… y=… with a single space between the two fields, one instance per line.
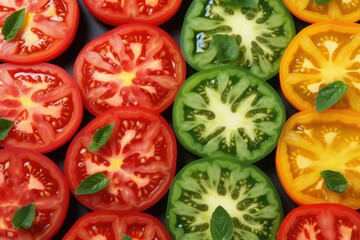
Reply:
x=53 y=38
x=27 y=176
x=114 y=224
x=323 y=220
x=318 y=55
x=312 y=142
x=310 y=12
x=131 y=11
x=44 y=103
x=139 y=160
x=134 y=64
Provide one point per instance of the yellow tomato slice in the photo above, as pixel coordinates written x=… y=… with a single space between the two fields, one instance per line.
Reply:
x=319 y=55
x=312 y=142
x=340 y=10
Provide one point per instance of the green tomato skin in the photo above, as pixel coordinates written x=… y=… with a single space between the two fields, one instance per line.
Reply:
x=262 y=34
x=227 y=111
x=242 y=189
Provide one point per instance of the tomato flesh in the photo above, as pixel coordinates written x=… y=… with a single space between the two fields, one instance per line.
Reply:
x=313 y=142
x=43 y=102
x=321 y=222
x=132 y=65
x=116 y=13
x=139 y=160
x=111 y=226
x=309 y=11
x=319 y=55
x=262 y=35
x=227 y=111
x=243 y=190
x=48 y=29
x=26 y=177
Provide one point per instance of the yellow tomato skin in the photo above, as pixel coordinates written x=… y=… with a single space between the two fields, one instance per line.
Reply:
x=319 y=55
x=339 y=10
x=312 y=142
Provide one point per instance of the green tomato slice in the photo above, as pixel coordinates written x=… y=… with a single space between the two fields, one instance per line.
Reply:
x=262 y=34
x=227 y=111
x=242 y=189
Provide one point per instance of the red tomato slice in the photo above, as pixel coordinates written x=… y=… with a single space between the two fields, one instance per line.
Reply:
x=48 y=30
x=29 y=177
x=43 y=101
x=134 y=64
x=111 y=226
x=115 y=13
x=139 y=160
x=327 y=221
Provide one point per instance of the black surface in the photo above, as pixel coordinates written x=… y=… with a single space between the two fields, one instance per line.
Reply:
x=88 y=29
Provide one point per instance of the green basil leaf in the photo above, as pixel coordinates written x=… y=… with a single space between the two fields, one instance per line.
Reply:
x=13 y=24
x=322 y=1
x=24 y=216
x=101 y=137
x=334 y=181
x=242 y=3
x=329 y=95
x=92 y=184
x=126 y=237
x=5 y=126
x=227 y=48
x=221 y=225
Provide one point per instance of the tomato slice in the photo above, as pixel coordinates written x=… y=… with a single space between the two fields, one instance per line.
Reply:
x=242 y=189
x=139 y=160
x=113 y=225
x=262 y=35
x=134 y=64
x=321 y=222
x=319 y=55
x=227 y=111
x=308 y=11
x=30 y=177
x=312 y=142
x=48 y=30
x=43 y=101
x=115 y=13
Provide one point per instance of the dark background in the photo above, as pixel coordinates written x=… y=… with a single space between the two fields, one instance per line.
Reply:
x=88 y=29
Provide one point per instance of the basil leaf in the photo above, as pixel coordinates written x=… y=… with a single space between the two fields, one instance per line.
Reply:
x=227 y=48
x=5 y=126
x=322 y=1
x=101 y=137
x=92 y=184
x=13 y=24
x=242 y=3
x=126 y=237
x=24 y=216
x=329 y=95
x=221 y=225
x=334 y=181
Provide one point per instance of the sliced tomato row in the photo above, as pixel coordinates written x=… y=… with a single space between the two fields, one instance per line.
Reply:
x=313 y=142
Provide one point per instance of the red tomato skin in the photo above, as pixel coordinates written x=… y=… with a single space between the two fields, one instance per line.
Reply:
x=84 y=81
x=77 y=153
x=60 y=199
x=136 y=225
x=324 y=221
x=52 y=52
x=117 y=18
x=61 y=136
